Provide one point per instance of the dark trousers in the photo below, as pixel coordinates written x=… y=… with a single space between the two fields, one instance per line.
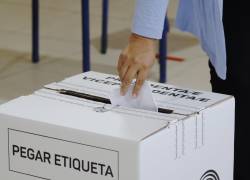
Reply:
x=236 y=19
x=242 y=121
x=237 y=35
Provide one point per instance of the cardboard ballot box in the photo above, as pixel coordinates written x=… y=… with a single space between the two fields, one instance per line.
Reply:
x=69 y=130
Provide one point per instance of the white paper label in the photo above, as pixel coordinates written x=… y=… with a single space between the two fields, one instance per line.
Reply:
x=52 y=158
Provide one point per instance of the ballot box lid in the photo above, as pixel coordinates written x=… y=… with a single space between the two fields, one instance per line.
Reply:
x=182 y=100
x=119 y=123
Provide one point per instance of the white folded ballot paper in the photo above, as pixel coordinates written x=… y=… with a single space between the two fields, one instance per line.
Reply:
x=70 y=130
x=144 y=100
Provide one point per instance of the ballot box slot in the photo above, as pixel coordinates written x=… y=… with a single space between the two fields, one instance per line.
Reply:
x=98 y=98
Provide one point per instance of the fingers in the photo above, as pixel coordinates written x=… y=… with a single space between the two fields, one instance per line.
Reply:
x=142 y=76
x=127 y=78
x=122 y=66
x=123 y=72
x=135 y=61
x=127 y=72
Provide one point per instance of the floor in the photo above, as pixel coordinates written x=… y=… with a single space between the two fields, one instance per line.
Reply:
x=61 y=45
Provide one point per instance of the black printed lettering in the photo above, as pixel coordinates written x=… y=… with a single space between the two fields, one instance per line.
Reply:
x=166 y=88
x=93 y=167
x=113 y=78
x=204 y=99
x=57 y=160
x=47 y=157
x=174 y=94
x=101 y=166
x=85 y=166
x=154 y=86
x=23 y=152
x=15 y=149
x=64 y=160
x=109 y=172
x=38 y=156
x=31 y=154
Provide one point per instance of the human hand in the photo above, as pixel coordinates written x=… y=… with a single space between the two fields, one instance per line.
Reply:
x=135 y=62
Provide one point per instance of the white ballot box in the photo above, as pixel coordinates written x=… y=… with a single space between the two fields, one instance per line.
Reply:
x=69 y=130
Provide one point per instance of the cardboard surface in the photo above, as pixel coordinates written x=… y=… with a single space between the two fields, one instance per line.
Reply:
x=125 y=125
x=54 y=136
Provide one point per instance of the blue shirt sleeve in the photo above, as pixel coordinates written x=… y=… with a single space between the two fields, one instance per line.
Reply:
x=203 y=18
x=149 y=18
